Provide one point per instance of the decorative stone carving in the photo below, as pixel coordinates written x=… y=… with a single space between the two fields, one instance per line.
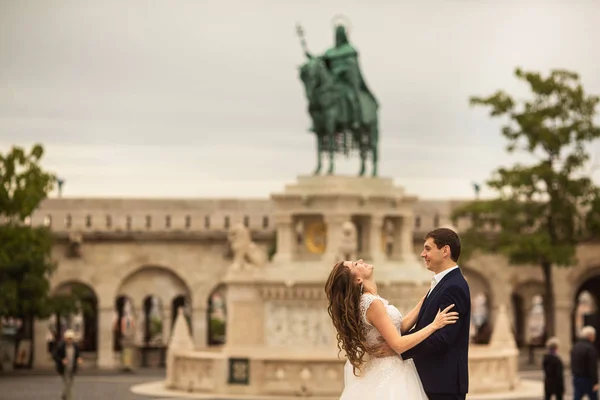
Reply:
x=78 y=323
x=75 y=243
x=128 y=332
x=299 y=228
x=389 y=230
x=585 y=307
x=192 y=374
x=315 y=237
x=246 y=254
x=301 y=325
x=502 y=336
x=349 y=242
x=292 y=293
x=536 y=324
x=180 y=339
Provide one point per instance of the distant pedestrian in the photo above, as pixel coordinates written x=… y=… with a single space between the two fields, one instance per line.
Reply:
x=554 y=382
x=67 y=358
x=584 y=365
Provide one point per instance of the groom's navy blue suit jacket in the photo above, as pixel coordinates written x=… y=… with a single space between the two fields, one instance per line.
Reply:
x=442 y=358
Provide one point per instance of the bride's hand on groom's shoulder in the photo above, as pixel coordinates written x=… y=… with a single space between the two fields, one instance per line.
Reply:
x=445 y=317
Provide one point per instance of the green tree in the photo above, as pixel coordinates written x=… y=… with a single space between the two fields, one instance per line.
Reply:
x=25 y=251
x=542 y=210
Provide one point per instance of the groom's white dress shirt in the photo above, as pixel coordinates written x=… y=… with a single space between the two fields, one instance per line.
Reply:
x=438 y=277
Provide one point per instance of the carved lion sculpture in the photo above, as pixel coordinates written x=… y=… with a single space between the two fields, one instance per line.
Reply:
x=349 y=243
x=246 y=254
x=74 y=246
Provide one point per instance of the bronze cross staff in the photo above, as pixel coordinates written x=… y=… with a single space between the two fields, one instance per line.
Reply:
x=300 y=32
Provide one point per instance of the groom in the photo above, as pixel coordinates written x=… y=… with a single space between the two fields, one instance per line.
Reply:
x=442 y=358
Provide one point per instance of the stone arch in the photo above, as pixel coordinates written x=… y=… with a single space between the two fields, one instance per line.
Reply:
x=584 y=274
x=148 y=280
x=522 y=296
x=145 y=285
x=587 y=281
x=216 y=315
x=84 y=322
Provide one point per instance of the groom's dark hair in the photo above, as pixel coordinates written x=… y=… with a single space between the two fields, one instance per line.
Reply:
x=446 y=237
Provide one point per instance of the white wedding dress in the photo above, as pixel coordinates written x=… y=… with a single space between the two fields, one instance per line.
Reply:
x=387 y=378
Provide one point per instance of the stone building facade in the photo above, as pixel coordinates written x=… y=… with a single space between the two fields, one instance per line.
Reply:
x=156 y=255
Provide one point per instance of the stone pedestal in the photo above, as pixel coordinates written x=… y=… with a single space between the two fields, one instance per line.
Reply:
x=337 y=199
x=280 y=340
x=376 y=254
x=245 y=319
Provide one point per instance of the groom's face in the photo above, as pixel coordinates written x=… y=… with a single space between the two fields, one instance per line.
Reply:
x=432 y=256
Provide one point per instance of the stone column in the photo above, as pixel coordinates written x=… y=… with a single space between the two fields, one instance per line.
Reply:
x=41 y=357
x=375 y=234
x=285 y=243
x=564 y=306
x=407 y=250
x=334 y=224
x=245 y=316
x=199 y=326
x=106 y=356
x=166 y=328
x=563 y=325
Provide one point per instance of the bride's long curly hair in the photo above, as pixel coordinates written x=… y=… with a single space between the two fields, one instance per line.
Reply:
x=343 y=294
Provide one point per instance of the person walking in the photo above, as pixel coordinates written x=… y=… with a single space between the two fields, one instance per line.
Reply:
x=554 y=382
x=67 y=359
x=584 y=365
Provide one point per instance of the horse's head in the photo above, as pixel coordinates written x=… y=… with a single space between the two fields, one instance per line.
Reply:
x=312 y=74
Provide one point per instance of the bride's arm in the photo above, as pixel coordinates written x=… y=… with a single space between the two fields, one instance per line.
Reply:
x=410 y=319
x=379 y=318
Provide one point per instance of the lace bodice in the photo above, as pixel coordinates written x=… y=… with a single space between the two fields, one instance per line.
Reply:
x=371 y=333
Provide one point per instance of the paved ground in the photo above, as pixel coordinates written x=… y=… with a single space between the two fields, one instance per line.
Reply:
x=85 y=387
x=109 y=386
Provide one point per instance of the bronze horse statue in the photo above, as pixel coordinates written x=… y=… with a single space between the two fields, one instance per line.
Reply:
x=331 y=116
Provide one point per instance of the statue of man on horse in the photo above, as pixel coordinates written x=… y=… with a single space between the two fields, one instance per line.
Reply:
x=342 y=108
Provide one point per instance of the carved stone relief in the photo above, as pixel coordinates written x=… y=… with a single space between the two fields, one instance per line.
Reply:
x=297 y=324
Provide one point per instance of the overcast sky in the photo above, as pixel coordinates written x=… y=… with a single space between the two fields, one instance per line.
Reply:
x=202 y=98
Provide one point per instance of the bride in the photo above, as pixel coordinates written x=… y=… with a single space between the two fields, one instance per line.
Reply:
x=361 y=317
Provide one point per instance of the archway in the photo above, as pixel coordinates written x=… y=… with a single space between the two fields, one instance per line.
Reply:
x=586 y=311
x=518 y=306
x=152 y=291
x=184 y=303
x=153 y=321
x=124 y=326
x=217 y=316
x=528 y=299
x=83 y=322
